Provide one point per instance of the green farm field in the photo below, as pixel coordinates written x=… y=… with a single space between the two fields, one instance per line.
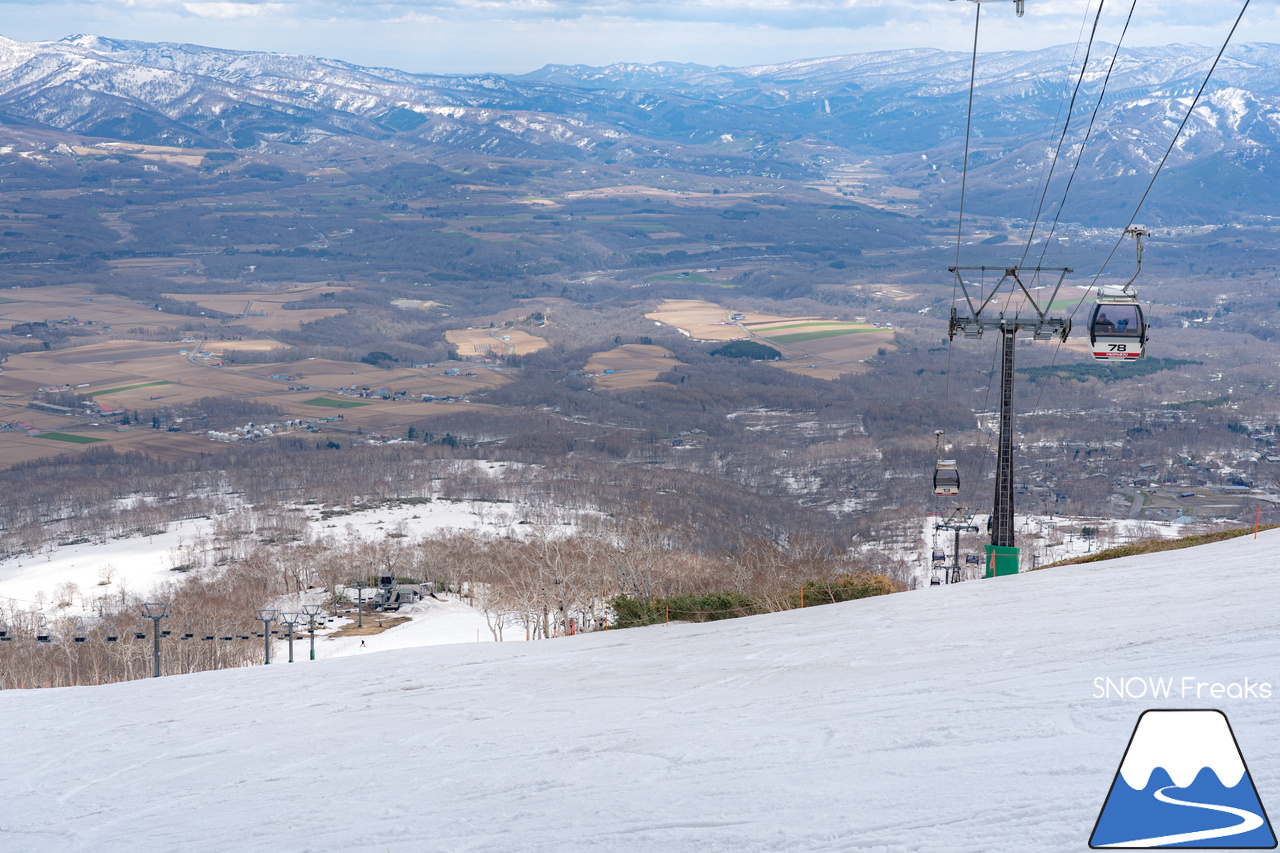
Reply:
x=132 y=387
x=334 y=404
x=67 y=437
x=814 y=336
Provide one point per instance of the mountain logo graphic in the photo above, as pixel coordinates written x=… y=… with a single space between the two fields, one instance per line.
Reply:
x=1182 y=783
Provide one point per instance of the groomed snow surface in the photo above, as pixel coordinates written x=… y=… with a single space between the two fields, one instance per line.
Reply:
x=956 y=718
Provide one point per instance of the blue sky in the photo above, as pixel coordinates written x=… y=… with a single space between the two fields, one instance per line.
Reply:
x=513 y=36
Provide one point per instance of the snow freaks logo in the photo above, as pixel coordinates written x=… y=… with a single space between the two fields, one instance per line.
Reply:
x=1183 y=783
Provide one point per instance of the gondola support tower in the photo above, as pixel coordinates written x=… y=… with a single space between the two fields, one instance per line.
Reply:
x=982 y=310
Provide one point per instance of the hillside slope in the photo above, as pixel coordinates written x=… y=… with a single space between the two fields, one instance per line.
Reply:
x=952 y=719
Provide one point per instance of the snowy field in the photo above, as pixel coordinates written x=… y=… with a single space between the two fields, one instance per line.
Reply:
x=957 y=718
x=137 y=563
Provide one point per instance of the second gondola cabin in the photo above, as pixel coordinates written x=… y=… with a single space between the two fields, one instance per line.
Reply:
x=946 y=478
x=1117 y=329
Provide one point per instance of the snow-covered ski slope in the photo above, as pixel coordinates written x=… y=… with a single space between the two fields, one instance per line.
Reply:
x=957 y=718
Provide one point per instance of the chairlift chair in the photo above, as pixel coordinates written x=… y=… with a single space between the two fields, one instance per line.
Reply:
x=79 y=636
x=1117 y=328
x=111 y=634
x=946 y=478
x=139 y=634
x=42 y=635
x=4 y=633
x=946 y=475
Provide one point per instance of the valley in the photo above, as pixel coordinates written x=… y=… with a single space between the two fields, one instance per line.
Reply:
x=613 y=291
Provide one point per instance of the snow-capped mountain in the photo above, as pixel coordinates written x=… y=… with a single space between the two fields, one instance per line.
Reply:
x=903 y=111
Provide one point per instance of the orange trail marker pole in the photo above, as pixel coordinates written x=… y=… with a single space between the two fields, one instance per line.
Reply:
x=668 y=608
x=802 y=596
x=1257 y=520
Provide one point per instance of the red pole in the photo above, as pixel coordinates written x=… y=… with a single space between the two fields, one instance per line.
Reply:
x=802 y=596
x=668 y=608
x=1257 y=519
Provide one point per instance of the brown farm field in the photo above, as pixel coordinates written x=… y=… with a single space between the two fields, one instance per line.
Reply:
x=637 y=365
x=445 y=379
x=264 y=311
x=161 y=153
x=109 y=371
x=706 y=321
x=17 y=447
x=473 y=343
x=821 y=347
x=60 y=302
x=377 y=416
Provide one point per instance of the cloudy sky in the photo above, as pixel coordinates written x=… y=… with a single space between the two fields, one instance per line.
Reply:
x=512 y=36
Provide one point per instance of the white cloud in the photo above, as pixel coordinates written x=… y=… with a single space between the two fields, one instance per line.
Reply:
x=232 y=11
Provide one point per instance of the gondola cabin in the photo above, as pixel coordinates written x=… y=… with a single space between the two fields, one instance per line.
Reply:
x=1117 y=329
x=946 y=478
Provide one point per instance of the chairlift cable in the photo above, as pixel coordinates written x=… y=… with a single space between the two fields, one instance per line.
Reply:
x=1160 y=166
x=964 y=180
x=1062 y=203
x=1066 y=126
x=964 y=174
x=1168 y=151
x=968 y=127
x=1044 y=167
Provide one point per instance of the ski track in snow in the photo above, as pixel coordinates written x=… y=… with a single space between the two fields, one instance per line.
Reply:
x=956 y=719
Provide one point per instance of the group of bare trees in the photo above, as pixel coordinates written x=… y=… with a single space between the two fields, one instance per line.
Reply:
x=553 y=582
x=554 y=576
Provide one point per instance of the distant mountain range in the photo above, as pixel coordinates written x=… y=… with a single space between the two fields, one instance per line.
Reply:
x=898 y=114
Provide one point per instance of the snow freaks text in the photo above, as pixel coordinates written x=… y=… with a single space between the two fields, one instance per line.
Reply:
x=1186 y=687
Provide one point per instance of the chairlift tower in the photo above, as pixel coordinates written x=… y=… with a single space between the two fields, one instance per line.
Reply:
x=988 y=309
x=958 y=520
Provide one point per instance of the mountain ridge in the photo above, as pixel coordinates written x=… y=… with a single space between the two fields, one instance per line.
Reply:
x=901 y=111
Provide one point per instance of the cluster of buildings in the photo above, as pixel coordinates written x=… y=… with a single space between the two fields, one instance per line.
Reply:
x=251 y=431
x=36 y=326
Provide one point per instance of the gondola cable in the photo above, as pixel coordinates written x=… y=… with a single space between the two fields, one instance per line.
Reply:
x=964 y=174
x=1173 y=142
x=968 y=128
x=964 y=179
x=1044 y=168
x=1066 y=126
x=1062 y=202
x=1159 y=167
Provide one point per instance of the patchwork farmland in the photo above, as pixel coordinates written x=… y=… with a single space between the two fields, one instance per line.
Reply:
x=485 y=343
x=630 y=366
x=821 y=347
